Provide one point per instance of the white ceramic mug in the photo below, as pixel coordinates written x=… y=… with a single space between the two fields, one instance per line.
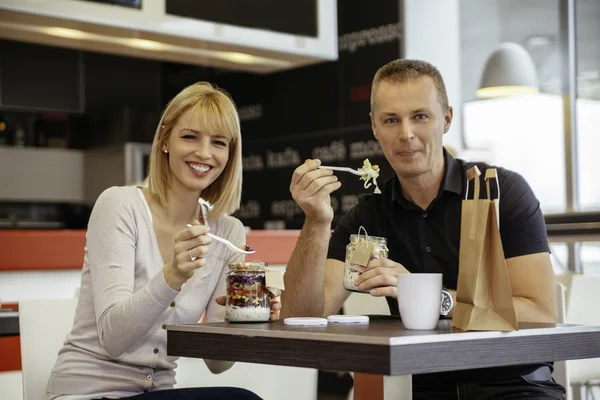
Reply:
x=419 y=297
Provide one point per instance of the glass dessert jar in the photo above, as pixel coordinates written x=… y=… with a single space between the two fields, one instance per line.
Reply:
x=248 y=298
x=351 y=270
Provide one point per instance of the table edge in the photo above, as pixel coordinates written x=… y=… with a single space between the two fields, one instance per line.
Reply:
x=312 y=333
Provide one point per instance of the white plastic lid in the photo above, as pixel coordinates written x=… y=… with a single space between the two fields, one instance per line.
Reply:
x=305 y=321
x=348 y=319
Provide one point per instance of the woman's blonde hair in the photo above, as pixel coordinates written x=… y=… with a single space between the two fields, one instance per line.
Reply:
x=218 y=115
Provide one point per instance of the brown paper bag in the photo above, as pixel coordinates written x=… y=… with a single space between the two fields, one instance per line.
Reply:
x=483 y=295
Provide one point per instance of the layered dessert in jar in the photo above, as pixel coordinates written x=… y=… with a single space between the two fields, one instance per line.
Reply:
x=248 y=299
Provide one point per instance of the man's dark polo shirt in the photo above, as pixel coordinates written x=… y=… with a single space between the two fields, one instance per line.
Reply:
x=429 y=240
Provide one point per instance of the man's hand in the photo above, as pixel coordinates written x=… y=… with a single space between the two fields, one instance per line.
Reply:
x=311 y=188
x=275 y=305
x=380 y=277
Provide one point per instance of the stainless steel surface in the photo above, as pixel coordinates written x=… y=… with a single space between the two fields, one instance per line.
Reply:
x=573 y=232
x=568 y=62
x=574 y=257
x=574 y=238
x=573 y=227
x=592 y=227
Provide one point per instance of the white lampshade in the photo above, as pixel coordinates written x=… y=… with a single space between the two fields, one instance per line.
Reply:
x=508 y=71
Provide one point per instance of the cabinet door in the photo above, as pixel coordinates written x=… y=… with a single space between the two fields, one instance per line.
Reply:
x=39 y=77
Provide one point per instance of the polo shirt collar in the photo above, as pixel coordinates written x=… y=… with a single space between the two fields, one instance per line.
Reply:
x=451 y=182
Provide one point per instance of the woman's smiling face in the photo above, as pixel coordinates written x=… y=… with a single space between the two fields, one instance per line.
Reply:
x=197 y=157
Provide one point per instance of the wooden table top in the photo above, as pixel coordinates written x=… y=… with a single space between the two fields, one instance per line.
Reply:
x=383 y=346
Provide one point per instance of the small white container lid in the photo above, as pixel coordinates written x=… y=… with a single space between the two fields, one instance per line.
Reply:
x=305 y=321
x=348 y=319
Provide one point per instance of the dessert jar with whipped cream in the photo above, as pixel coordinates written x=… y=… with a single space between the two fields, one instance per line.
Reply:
x=248 y=299
x=375 y=247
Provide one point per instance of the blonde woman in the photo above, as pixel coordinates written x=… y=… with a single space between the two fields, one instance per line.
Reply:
x=144 y=268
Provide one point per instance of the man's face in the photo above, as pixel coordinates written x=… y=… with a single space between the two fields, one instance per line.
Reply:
x=410 y=122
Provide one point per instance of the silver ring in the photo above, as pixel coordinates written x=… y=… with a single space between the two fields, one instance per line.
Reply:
x=191 y=256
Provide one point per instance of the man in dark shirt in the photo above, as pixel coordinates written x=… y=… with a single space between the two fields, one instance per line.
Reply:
x=419 y=213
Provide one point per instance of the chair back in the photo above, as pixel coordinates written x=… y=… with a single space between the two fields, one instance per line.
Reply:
x=561 y=368
x=565 y=279
x=43 y=326
x=583 y=309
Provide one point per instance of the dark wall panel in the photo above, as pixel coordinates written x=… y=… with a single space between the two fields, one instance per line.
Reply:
x=115 y=82
x=122 y=98
x=298 y=17
x=39 y=77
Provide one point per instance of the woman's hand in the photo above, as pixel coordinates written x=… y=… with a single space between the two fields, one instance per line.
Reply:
x=275 y=305
x=191 y=246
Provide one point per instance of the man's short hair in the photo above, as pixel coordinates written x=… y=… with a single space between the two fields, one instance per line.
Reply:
x=403 y=70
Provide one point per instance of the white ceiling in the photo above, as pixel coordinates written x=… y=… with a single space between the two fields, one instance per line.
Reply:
x=534 y=24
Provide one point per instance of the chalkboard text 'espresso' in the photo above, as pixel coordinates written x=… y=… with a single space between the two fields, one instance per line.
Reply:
x=253 y=162
x=334 y=152
x=365 y=149
x=287 y=158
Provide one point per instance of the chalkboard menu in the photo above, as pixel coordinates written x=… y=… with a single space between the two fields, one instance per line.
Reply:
x=269 y=165
x=319 y=111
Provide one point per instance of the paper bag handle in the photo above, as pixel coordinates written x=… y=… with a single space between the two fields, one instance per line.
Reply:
x=491 y=173
x=473 y=173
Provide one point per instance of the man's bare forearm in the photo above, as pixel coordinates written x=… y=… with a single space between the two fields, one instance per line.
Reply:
x=526 y=310
x=305 y=273
x=529 y=311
